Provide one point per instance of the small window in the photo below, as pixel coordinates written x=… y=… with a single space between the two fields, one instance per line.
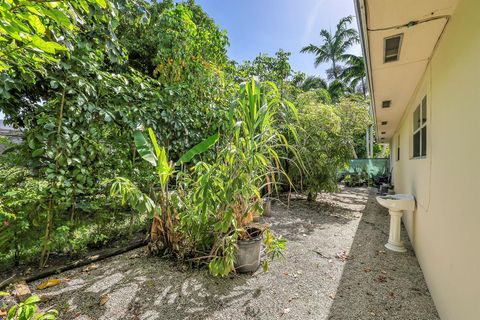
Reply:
x=420 y=129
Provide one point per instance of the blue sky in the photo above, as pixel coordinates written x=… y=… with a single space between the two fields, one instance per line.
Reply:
x=264 y=26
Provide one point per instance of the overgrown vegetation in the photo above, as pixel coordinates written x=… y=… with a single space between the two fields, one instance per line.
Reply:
x=91 y=78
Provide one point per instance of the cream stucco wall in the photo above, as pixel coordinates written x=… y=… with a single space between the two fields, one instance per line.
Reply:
x=445 y=228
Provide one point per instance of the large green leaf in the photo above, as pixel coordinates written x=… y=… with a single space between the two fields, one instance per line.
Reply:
x=47 y=46
x=35 y=22
x=144 y=148
x=199 y=148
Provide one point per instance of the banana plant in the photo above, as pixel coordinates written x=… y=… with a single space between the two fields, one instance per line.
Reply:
x=162 y=232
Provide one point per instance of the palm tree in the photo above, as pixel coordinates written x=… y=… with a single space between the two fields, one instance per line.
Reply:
x=312 y=82
x=354 y=72
x=334 y=46
x=336 y=90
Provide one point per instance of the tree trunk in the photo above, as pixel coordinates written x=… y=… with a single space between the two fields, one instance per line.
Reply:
x=334 y=64
x=363 y=87
x=46 y=239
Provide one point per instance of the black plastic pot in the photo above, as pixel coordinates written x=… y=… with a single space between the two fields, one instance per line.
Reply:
x=247 y=257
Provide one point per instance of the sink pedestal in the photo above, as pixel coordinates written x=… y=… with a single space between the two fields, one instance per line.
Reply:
x=396 y=204
x=394 y=241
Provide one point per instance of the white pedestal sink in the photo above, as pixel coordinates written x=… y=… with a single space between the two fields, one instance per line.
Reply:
x=396 y=204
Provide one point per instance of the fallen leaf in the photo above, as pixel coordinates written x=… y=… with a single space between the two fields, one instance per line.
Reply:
x=22 y=291
x=367 y=270
x=48 y=283
x=103 y=299
x=90 y=268
x=382 y=278
x=331 y=296
x=3 y=313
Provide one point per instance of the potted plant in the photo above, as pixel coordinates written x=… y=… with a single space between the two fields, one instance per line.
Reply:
x=248 y=159
x=208 y=218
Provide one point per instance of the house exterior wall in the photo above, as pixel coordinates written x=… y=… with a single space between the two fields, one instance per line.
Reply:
x=445 y=228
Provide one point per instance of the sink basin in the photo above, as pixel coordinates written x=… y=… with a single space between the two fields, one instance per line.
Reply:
x=397 y=202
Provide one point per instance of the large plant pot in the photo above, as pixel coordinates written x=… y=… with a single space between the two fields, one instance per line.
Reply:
x=247 y=257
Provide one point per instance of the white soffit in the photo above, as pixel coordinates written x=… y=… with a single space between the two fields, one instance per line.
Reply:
x=396 y=81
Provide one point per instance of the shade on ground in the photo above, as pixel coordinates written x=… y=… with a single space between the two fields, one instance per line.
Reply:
x=336 y=267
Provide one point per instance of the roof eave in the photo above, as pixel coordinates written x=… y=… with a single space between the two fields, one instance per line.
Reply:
x=363 y=31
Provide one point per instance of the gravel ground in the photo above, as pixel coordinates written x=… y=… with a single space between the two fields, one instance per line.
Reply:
x=336 y=267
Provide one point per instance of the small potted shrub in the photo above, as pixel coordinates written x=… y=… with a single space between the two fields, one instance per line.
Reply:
x=248 y=159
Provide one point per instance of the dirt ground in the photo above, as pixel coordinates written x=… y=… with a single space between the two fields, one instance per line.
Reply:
x=336 y=267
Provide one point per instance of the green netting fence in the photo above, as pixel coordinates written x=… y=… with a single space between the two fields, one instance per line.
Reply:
x=374 y=167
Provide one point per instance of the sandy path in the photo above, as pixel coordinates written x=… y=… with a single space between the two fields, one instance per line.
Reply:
x=336 y=268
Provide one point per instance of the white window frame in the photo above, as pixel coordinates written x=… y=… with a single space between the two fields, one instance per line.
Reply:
x=423 y=124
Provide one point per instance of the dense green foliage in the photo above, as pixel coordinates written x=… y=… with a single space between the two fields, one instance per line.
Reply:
x=34 y=32
x=207 y=211
x=79 y=112
x=88 y=76
x=328 y=138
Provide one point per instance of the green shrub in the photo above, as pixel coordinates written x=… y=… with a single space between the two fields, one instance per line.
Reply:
x=27 y=310
x=327 y=135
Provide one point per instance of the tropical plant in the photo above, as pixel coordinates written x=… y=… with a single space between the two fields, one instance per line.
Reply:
x=322 y=147
x=184 y=51
x=33 y=32
x=327 y=140
x=77 y=112
x=23 y=200
x=354 y=72
x=334 y=46
x=355 y=119
x=229 y=189
x=27 y=310
x=164 y=235
x=312 y=83
x=276 y=69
